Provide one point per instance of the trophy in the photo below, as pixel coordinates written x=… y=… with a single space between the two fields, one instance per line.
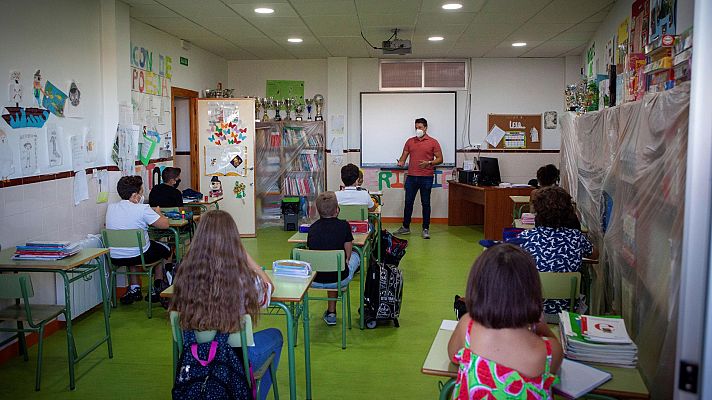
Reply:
x=288 y=106
x=309 y=103
x=258 y=107
x=277 y=104
x=319 y=103
x=265 y=103
x=299 y=109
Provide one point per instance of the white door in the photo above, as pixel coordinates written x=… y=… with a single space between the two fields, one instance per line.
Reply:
x=226 y=138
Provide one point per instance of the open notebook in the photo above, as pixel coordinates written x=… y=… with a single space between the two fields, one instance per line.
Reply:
x=577 y=379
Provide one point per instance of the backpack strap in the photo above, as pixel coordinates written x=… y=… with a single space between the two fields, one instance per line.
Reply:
x=211 y=354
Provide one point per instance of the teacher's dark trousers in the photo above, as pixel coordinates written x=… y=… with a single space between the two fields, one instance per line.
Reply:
x=413 y=184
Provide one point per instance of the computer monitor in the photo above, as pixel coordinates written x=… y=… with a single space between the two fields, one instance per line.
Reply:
x=489 y=172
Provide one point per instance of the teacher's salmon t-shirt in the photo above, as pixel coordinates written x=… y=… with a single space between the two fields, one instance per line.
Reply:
x=419 y=150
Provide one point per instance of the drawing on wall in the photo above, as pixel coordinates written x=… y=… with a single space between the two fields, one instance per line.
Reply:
x=54 y=99
x=239 y=190
x=662 y=18
x=28 y=153
x=77 y=145
x=622 y=49
x=54 y=148
x=37 y=87
x=7 y=167
x=215 y=187
x=73 y=108
x=225 y=160
x=89 y=145
x=550 y=120
x=15 y=88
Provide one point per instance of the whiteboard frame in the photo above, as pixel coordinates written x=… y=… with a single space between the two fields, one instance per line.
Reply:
x=394 y=165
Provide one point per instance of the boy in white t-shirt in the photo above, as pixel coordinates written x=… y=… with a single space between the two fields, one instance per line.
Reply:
x=352 y=194
x=132 y=213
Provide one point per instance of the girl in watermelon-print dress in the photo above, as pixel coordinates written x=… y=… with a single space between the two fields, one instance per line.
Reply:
x=502 y=347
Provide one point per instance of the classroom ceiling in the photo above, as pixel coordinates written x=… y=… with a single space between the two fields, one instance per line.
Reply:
x=332 y=28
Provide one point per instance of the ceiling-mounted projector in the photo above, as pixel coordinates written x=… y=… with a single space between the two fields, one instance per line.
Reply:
x=396 y=46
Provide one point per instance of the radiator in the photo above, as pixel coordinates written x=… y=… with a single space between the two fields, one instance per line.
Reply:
x=86 y=294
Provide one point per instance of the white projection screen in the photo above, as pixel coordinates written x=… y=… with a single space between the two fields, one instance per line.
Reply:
x=388 y=118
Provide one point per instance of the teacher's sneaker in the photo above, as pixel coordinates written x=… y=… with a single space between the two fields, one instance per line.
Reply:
x=426 y=233
x=402 y=231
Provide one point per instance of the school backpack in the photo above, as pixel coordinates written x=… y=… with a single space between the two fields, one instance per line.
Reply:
x=392 y=248
x=383 y=294
x=210 y=371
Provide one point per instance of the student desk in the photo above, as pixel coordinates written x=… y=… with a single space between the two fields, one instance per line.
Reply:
x=79 y=267
x=362 y=246
x=295 y=292
x=204 y=205
x=626 y=382
x=171 y=231
x=482 y=205
x=521 y=201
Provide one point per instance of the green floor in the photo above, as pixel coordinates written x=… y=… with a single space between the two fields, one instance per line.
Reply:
x=381 y=363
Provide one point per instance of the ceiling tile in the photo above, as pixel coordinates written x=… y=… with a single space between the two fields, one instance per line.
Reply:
x=322 y=8
x=230 y=27
x=344 y=46
x=467 y=6
x=447 y=31
x=365 y=7
x=571 y=35
x=192 y=8
x=443 y=18
x=333 y=26
x=150 y=10
x=585 y=27
x=535 y=31
x=489 y=31
x=514 y=7
x=553 y=46
x=570 y=10
x=600 y=16
x=133 y=2
x=577 y=51
x=176 y=26
x=248 y=10
x=388 y=20
x=500 y=18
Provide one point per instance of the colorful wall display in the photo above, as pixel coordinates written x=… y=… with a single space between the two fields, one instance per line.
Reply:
x=281 y=89
x=662 y=18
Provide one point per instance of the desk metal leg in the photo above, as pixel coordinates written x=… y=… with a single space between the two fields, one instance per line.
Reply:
x=290 y=349
x=364 y=253
x=176 y=236
x=71 y=347
x=107 y=307
x=307 y=345
x=446 y=389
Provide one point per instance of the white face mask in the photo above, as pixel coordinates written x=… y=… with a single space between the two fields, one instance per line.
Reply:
x=419 y=133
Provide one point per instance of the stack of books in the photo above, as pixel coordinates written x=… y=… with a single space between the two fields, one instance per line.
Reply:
x=291 y=268
x=528 y=218
x=45 y=250
x=597 y=339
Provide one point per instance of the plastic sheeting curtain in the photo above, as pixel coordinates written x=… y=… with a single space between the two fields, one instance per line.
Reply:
x=625 y=167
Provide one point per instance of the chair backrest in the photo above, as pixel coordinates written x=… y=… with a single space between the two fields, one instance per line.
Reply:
x=322 y=260
x=353 y=212
x=15 y=286
x=560 y=285
x=123 y=238
x=234 y=340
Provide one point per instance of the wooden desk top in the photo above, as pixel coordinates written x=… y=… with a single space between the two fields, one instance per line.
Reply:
x=211 y=200
x=520 y=199
x=626 y=382
x=486 y=188
x=65 y=264
x=286 y=289
x=301 y=238
x=176 y=223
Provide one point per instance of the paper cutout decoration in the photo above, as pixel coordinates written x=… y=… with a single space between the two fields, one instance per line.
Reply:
x=54 y=99
x=37 y=87
x=21 y=117
x=225 y=160
x=77 y=144
x=534 y=134
x=7 y=167
x=54 y=147
x=215 y=187
x=549 y=119
x=145 y=158
x=239 y=190
x=236 y=161
x=28 y=154
x=73 y=108
x=74 y=94
x=15 y=88
x=495 y=136
x=89 y=145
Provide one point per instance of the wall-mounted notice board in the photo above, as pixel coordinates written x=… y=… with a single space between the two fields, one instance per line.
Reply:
x=514 y=131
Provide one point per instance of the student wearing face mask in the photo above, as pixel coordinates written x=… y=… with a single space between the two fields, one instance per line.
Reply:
x=425 y=153
x=132 y=213
x=166 y=194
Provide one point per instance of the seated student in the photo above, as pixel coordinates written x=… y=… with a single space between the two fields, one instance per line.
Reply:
x=219 y=282
x=331 y=233
x=548 y=176
x=132 y=213
x=166 y=194
x=555 y=246
x=505 y=334
x=359 y=181
x=352 y=194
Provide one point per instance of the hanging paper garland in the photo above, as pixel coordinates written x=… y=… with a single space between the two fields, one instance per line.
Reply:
x=239 y=190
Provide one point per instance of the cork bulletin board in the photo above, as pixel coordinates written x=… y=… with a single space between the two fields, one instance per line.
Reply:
x=514 y=131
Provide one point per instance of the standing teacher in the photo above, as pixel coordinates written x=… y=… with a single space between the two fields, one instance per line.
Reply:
x=425 y=154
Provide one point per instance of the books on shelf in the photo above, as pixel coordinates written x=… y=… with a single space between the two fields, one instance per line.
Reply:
x=299 y=186
x=601 y=340
x=293 y=268
x=577 y=379
x=41 y=250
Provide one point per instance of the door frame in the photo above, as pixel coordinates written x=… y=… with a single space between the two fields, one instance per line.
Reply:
x=191 y=95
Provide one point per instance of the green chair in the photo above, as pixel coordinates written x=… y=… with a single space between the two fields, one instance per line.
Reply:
x=560 y=285
x=246 y=335
x=129 y=238
x=19 y=286
x=353 y=212
x=330 y=261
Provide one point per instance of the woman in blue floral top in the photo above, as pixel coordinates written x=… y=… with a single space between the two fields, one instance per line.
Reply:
x=554 y=246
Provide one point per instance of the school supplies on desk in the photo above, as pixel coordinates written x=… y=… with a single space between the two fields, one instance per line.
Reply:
x=577 y=379
x=582 y=341
x=359 y=226
x=304 y=228
x=39 y=250
x=528 y=218
x=291 y=268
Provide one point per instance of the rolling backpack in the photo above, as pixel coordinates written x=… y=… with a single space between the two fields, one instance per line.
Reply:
x=383 y=294
x=210 y=371
x=392 y=248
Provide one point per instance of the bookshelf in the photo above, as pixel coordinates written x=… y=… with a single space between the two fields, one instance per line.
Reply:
x=291 y=161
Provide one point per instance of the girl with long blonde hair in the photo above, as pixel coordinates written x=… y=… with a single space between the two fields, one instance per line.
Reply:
x=218 y=283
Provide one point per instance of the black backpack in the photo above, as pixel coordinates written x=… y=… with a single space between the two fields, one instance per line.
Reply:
x=208 y=371
x=392 y=248
x=383 y=294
